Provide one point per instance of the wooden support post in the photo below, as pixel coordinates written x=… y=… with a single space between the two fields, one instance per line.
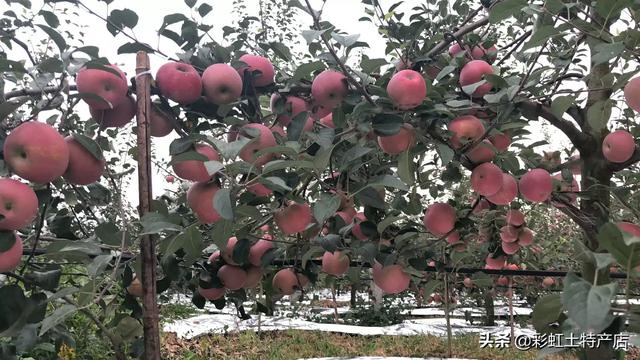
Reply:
x=447 y=314
x=150 y=316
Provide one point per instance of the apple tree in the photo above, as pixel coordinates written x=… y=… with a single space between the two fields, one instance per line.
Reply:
x=330 y=163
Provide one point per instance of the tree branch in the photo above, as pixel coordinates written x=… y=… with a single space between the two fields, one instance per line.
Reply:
x=532 y=110
x=442 y=45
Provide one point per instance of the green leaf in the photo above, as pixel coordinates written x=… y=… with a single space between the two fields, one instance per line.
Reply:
x=7 y=108
x=129 y=328
x=190 y=3
x=295 y=128
x=406 y=168
x=120 y=19
x=134 y=47
x=561 y=104
x=502 y=10
x=482 y=280
x=546 y=311
x=311 y=35
x=12 y=302
x=588 y=306
x=370 y=197
x=306 y=70
x=88 y=143
x=57 y=317
x=445 y=152
x=326 y=207
x=109 y=234
x=388 y=181
x=98 y=265
x=371 y=65
x=606 y=51
x=281 y=50
x=55 y=36
x=387 y=124
x=155 y=223
x=192 y=244
x=213 y=166
x=223 y=204
x=345 y=40
x=611 y=238
x=188 y=156
x=384 y=224
x=47 y=279
x=283 y=164
x=230 y=150
x=540 y=36
x=50 y=18
x=598 y=114
x=204 y=9
x=7 y=240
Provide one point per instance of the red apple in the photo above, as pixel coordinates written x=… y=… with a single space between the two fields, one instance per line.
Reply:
x=227 y=252
x=507 y=192
x=481 y=153
x=117 y=117
x=398 y=143
x=18 y=205
x=510 y=248
x=258 y=189
x=548 y=282
x=500 y=141
x=179 y=82
x=473 y=72
x=329 y=89
x=407 y=89
x=36 y=152
x=629 y=228
x=254 y=276
x=391 y=279
x=261 y=64
x=467 y=128
x=257 y=251
x=536 y=185
x=508 y=234
x=111 y=88
x=232 y=277
x=496 y=263
x=221 y=84
x=515 y=217
x=336 y=263
x=195 y=170
x=10 y=259
x=83 y=168
x=293 y=218
x=200 y=200
x=632 y=93
x=264 y=139
x=486 y=179
x=286 y=282
x=525 y=238
x=159 y=122
x=618 y=146
x=327 y=121
x=468 y=283
x=170 y=178
x=211 y=293
x=439 y=219
x=293 y=106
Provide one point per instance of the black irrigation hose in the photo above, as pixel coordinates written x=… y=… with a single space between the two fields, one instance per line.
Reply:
x=432 y=269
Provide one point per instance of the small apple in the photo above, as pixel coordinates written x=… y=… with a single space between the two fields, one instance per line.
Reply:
x=195 y=170
x=263 y=65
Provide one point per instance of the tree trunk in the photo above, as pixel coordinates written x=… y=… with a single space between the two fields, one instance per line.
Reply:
x=490 y=318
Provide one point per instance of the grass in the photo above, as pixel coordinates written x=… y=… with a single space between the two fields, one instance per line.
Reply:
x=295 y=344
